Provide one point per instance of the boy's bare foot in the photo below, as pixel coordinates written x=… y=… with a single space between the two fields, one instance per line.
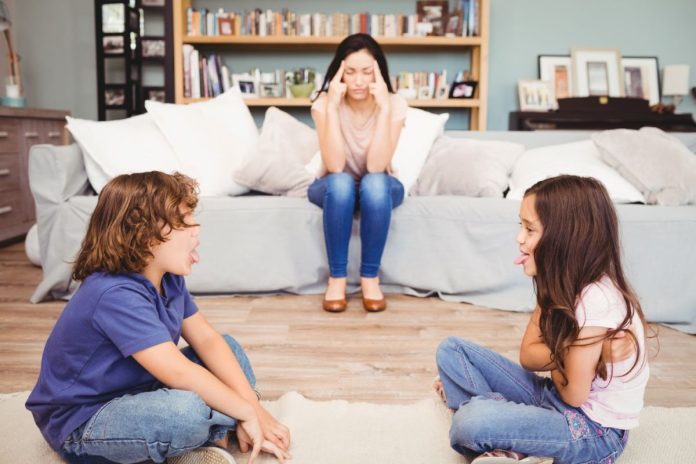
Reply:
x=439 y=389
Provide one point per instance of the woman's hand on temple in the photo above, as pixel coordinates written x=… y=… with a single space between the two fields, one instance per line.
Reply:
x=337 y=89
x=379 y=90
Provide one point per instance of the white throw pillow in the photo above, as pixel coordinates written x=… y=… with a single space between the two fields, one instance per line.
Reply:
x=420 y=130
x=576 y=158
x=285 y=146
x=212 y=139
x=112 y=148
x=659 y=165
x=467 y=167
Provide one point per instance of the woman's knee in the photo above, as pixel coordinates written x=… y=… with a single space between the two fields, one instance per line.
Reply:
x=340 y=183
x=374 y=185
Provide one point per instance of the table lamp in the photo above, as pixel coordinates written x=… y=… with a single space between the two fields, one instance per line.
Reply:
x=13 y=84
x=675 y=82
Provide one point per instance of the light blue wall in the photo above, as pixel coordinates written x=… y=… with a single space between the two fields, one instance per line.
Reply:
x=56 y=42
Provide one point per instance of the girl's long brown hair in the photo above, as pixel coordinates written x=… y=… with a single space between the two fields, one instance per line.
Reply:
x=131 y=214
x=579 y=245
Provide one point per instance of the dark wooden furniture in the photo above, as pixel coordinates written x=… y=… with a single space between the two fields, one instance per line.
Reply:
x=599 y=113
x=20 y=128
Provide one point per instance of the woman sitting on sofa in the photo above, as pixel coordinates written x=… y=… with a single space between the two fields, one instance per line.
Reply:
x=358 y=118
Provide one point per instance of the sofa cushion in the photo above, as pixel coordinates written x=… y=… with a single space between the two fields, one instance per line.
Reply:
x=420 y=130
x=474 y=168
x=112 y=148
x=211 y=139
x=657 y=164
x=576 y=158
x=285 y=146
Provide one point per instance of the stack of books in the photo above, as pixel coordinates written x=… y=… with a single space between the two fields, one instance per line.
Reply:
x=204 y=76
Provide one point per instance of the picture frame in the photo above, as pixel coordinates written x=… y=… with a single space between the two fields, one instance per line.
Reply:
x=558 y=69
x=113 y=44
x=642 y=78
x=113 y=18
x=536 y=95
x=115 y=96
x=153 y=48
x=157 y=94
x=597 y=72
x=270 y=90
x=463 y=89
x=433 y=12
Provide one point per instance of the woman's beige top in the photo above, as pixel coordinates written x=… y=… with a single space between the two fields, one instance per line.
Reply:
x=358 y=135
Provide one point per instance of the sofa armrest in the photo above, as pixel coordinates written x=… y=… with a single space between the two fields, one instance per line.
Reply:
x=56 y=173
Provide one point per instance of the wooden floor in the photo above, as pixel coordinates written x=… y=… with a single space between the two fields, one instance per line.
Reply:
x=294 y=345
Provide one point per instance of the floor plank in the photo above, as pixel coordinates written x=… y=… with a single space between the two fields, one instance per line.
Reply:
x=294 y=345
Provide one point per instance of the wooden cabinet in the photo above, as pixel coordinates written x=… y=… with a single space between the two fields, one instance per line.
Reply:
x=20 y=128
x=477 y=47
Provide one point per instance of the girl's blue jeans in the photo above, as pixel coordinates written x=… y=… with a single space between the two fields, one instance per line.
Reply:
x=152 y=425
x=339 y=195
x=501 y=405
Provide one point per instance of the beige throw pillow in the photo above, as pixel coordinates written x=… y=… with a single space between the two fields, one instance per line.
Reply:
x=657 y=164
x=473 y=168
x=285 y=146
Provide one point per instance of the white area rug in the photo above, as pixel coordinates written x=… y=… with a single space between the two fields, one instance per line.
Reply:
x=339 y=432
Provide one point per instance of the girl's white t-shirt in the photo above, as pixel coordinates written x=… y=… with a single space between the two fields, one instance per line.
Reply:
x=617 y=401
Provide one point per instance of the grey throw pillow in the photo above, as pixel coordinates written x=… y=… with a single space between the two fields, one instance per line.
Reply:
x=473 y=168
x=285 y=146
x=657 y=164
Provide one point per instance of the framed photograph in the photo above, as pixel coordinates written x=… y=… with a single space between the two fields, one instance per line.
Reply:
x=153 y=48
x=536 y=96
x=134 y=21
x=433 y=12
x=463 y=89
x=152 y=2
x=642 y=77
x=156 y=94
x=597 y=72
x=113 y=44
x=113 y=18
x=115 y=97
x=557 y=69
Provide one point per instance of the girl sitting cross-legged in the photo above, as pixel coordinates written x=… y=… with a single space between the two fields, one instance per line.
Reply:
x=588 y=330
x=113 y=385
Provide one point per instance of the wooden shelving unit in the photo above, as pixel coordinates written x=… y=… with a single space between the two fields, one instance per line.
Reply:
x=476 y=46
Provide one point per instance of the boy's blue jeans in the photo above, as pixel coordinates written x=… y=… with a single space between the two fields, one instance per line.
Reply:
x=152 y=425
x=338 y=195
x=501 y=405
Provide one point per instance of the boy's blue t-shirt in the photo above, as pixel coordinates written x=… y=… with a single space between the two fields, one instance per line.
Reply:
x=87 y=359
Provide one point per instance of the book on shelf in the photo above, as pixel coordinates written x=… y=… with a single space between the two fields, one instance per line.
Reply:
x=432 y=19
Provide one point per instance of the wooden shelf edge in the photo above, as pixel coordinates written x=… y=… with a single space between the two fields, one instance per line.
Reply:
x=333 y=40
x=305 y=102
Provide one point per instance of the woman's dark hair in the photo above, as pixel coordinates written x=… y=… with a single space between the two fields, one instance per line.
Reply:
x=355 y=43
x=579 y=245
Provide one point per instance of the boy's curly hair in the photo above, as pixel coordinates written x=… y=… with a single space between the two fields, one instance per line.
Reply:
x=134 y=213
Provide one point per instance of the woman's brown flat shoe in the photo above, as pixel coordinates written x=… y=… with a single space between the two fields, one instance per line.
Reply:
x=374 y=306
x=335 y=306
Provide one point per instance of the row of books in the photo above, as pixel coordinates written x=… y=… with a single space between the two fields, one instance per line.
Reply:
x=203 y=22
x=204 y=76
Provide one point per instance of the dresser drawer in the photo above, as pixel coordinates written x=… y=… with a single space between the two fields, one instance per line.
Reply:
x=10 y=171
x=9 y=141
x=11 y=211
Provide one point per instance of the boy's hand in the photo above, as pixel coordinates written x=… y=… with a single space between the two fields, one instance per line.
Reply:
x=246 y=442
x=273 y=431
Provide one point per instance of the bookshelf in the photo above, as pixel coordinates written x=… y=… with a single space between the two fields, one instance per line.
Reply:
x=476 y=46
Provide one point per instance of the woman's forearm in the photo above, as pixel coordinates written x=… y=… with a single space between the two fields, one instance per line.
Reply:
x=331 y=141
x=381 y=149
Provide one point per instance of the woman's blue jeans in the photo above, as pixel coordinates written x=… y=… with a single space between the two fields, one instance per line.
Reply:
x=339 y=195
x=501 y=405
x=152 y=425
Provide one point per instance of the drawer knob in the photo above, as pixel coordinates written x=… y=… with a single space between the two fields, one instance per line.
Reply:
x=31 y=135
x=4 y=172
x=53 y=134
x=4 y=134
x=5 y=209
